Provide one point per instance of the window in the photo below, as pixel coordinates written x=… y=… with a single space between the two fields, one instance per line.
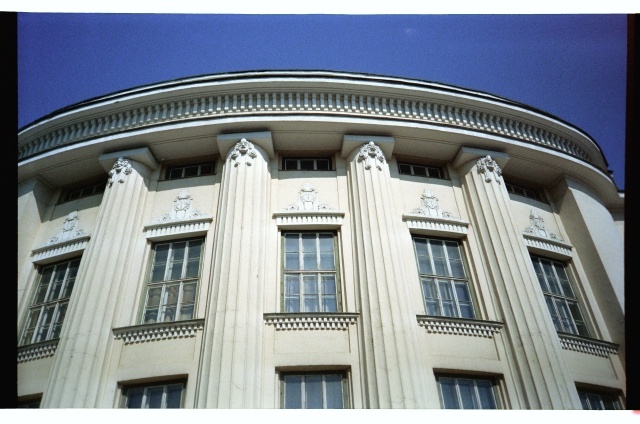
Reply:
x=173 y=281
x=306 y=164
x=420 y=170
x=445 y=288
x=50 y=302
x=467 y=393
x=154 y=396
x=310 y=272
x=598 y=401
x=30 y=402
x=179 y=172
x=558 y=294
x=314 y=391
x=522 y=191
x=86 y=191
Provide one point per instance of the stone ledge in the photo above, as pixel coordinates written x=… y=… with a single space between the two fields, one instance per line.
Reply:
x=158 y=331
x=37 y=350
x=311 y=321
x=459 y=326
x=588 y=345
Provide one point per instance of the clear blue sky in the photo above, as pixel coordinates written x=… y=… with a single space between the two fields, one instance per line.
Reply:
x=572 y=66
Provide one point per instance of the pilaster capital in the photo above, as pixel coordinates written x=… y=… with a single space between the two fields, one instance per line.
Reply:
x=242 y=144
x=120 y=164
x=468 y=157
x=351 y=144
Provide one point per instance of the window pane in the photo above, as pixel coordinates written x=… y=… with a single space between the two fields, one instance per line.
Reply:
x=430 y=293
x=448 y=391
x=290 y=164
x=333 y=384
x=322 y=164
x=134 y=398
x=306 y=164
x=191 y=171
x=310 y=283
x=310 y=261
x=293 y=391
x=291 y=261
x=175 y=173
x=206 y=169
x=57 y=324
x=154 y=397
x=404 y=169
x=174 y=395
x=291 y=242
x=485 y=392
x=420 y=171
x=467 y=394
x=313 y=391
x=553 y=313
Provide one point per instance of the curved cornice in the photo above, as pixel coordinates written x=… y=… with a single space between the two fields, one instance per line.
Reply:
x=274 y=93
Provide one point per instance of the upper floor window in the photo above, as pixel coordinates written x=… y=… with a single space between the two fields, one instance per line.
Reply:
x=162 y=396
x=179 y=172
x=173 y=281
x=444 y=282
x=314 y=390
x=50 y=302
x=306 y=164
x=559 y=296
x=420 y=170
x=85 y=191
x=523 y=191
x=467 y=393
x=598 y=401
x=310 y=272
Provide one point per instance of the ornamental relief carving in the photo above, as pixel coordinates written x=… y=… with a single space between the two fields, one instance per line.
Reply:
x=537 y=227
x=182 y=209
x=490 y=169
x=69 y=230
x=120 y=170
x=308 y=201
x=243 y=152
x=371 y=155
x=430 y=207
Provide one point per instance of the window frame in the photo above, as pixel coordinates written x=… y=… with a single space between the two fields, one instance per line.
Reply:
x=521 y=190
x=318 y=272
x=587 y=397
x=315 y=159
x=439 y=283
x=564 y=320
x=53 y=327
x=163 y=283
x=183 y=167
x=344 y=385
x=84 y=191
x=494 y=390
x=428 y=170
x=165 y=384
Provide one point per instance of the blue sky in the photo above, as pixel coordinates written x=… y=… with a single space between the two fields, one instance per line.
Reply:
x=572 y=66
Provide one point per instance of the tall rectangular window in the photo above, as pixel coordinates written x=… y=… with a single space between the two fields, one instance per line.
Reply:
x=310 y=272
x=598 y=401
x=314 y=391
x=558 y=294
x=445 y=289
x=162 y=396
x=467 y=393
x=50 y=302
x=173 y=281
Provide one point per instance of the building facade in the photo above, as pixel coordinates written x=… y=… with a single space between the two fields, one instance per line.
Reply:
x=314 y=239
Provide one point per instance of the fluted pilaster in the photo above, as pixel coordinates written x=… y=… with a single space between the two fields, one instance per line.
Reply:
x=389 y=331
x=82 y=355
x=231 y=366
x=533 y=347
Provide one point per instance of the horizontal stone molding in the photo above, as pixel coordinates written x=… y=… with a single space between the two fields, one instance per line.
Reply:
x=588 y=345
x=311 y=321
x=550 y=247
x=427 y=225
x=271 y=102
x=58 y=251
x=163 y=231
x=459 y=326
x=37 y=350
x=158 y=331
x=316 y=220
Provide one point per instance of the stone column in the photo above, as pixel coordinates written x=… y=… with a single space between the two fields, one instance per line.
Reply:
x=231 y=365
x=535 y=355
x=82 y=357
x=388 y=330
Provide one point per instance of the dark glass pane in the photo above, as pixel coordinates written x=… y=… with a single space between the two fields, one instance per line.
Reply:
x=404 y=169
x=467 y=394
x=191 y=171
x=420 y=171
x=448 y=392
x=175 y=173
x=290 y=164
x=313 y=391
x=206 y=169
x=307 y=164
x=333 y=384
x=322 y=165
x=134 y=398
x=293 y=391
x=154 y=397
x=485 y=391
x=174 y=395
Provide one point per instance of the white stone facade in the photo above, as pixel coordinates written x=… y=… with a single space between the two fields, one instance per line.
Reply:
x=239 y=341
